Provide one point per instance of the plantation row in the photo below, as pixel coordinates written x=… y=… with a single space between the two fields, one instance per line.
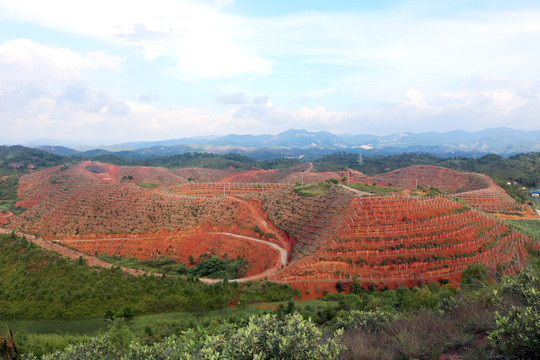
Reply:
x=389 y=249
x=399 y=207
x=441 y=178
x=492 y=199
x=210 y=189
x=507 y=255
x=311 y=220
x=119 y=208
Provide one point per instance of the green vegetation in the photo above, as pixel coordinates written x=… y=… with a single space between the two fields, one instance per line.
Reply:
x=58 y=179
x=260 y=337
x=203 y=160
x=148 y=185
x=16 y=160
x=11 y=207
x=214 y=267
x=8 y=188
x=207 y=266
x=529 y=227
x=374 y=189
x=523 y=168
x=419 y=322
x=8 y=195
x=41 y=284
x=312 y=189
x=162 y=265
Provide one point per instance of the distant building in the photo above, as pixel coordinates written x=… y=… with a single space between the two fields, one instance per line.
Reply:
x=535 y=193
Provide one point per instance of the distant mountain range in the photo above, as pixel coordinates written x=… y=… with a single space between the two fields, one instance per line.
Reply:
x=302 y=143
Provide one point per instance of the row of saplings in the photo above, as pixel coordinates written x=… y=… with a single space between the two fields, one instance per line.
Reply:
x=486 y=319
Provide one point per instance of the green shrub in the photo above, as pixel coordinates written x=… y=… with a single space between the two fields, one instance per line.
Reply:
x=518 y=329
x=262 y=337
x=372 y=321
x=475 y=276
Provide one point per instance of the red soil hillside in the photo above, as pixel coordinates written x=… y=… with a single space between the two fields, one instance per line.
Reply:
x=5 y=216
x=392 y=241
x=442 y=178
x=178 y=246
x=476 y=190
x=312 y=220
x=200 y=174
x=339 y=235
x=38 y=186
x=220 y=189
x=92 y=207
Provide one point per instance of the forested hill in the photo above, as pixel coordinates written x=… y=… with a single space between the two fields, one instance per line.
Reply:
x=523 y=168
x=19 y=159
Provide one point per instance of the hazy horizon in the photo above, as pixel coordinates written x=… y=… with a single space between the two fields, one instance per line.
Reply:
x=105 y=72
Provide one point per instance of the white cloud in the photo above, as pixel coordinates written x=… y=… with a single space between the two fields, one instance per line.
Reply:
x=43 y=82
x=22 y=60
x=92 y=116
x=232 y=98
x=198 y=37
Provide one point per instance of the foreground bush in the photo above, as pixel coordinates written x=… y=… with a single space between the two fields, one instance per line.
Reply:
x=518 y=328
x=263 y=337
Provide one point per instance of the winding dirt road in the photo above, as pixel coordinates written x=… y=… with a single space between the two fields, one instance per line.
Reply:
x=94 y=261
x=71 y=253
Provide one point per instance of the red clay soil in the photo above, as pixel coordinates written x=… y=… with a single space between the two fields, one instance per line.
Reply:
x=391 y=241
x=477 y=190
x=434 y=176
x=179 y=246
x=201 y=174
x=5 y=216
x=255 y=176
x=91 y=261
x=219 y=189
x=496 y=201
x=337 y=236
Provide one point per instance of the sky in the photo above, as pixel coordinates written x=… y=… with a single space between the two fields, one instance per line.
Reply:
x=104 y=72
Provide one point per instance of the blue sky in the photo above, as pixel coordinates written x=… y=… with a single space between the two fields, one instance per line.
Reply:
x=105 y=72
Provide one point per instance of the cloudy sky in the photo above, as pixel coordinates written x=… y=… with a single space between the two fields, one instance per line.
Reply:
x=108 y=71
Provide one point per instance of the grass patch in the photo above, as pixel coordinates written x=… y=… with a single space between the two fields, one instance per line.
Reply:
x=312 y=189
x=148 y=185
x=161 y=265
x=374 y=189
x=527 y=227
x=10 y=206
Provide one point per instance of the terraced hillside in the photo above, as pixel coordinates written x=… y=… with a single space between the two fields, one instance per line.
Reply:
x=476 y=190
x=311 y=220
x=312 y=237
x=392 y=241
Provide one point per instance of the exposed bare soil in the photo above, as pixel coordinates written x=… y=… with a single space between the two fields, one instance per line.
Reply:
x=309 y=242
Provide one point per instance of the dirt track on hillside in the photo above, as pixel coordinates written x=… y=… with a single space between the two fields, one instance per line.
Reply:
x=94 y=261
x=70 y=253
